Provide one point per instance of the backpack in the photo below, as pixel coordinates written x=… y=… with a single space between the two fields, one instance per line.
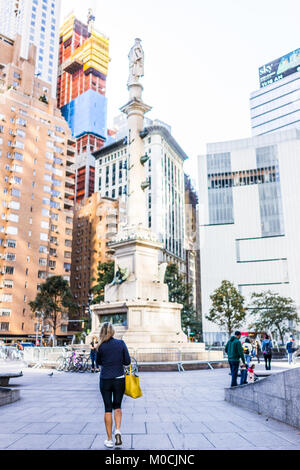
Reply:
x=246 y=349
x=268 y=349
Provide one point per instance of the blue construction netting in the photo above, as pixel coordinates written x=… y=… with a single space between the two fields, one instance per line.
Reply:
x=87 y=114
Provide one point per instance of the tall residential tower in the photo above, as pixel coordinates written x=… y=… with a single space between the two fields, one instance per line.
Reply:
x=37 y=22
x=36 y=221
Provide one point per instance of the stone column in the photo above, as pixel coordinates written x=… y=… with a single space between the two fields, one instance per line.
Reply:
x=135 y=110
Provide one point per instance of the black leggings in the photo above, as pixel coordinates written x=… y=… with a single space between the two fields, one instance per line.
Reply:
x=268 y=359
x=112 y=391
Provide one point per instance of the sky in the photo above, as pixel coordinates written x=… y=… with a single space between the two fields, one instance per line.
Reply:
x=201 y=59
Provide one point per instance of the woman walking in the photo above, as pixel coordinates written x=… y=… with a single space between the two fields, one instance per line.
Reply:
x=257 y=350
x=93 y=353
x=112 y=355
x=267 y=351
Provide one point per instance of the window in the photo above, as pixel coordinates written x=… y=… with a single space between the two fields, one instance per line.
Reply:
x=43 y=249
x=5 y=313
x=21 y=133
x=67 y=254
x=42 y=262
x=9 y=270
x=45 y=212
x=11 y=243
x=44 y=224
x=18 y=169
x=42 y=275
x=8 y=284
x=12 y=230
x=44 y=237
x=19 y=144
x=6 y=297
x=15 y=192
x=4 y=326
x=14 y=205
x=13 y=218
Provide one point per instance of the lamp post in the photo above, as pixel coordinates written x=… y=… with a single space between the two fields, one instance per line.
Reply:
x=90 y=300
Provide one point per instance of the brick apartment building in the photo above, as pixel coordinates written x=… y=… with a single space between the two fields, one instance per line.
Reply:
x=36 y=180
x=96 y=222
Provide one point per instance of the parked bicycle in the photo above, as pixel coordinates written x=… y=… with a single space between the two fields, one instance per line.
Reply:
x=81 y=362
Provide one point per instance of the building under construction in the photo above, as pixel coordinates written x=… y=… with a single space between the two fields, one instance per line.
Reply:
x=83 y=68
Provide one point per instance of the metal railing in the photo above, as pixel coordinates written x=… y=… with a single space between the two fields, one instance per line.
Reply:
x=39 y=356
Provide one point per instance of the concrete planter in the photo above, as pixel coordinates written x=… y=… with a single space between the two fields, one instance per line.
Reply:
x=8 y=396
x=277 y=396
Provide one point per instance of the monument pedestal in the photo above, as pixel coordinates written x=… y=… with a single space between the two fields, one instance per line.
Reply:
x=150 y=321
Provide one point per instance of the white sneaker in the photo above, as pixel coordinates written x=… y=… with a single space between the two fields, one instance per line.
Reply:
x=118 y=438
x=108 y=444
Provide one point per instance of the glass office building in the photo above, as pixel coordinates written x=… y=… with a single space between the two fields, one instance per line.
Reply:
x=249 y=219
x=276 y=105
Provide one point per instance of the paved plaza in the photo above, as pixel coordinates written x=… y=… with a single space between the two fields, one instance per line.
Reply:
x=178 y=411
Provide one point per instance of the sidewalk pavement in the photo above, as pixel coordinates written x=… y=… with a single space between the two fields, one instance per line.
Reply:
x=177 y=411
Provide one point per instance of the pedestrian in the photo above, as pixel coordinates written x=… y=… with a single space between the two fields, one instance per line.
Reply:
x=257 y=349
x=267 y=346
x=19 y=346
x=234 y=352
x=247 y=350
x=290 y=350
x=244 y=374
x=112 y=355
x=93 y=353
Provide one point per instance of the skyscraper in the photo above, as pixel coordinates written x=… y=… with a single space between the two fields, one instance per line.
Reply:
x=83 y=68
x=276 y=105
x=37 y=22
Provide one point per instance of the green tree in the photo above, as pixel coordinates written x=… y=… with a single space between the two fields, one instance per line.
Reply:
x=105 y=275
x=273 y=313
x=180 y=292
x=227 y=309
x=55 y=302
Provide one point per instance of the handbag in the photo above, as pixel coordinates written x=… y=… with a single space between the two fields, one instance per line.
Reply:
x=132 y=385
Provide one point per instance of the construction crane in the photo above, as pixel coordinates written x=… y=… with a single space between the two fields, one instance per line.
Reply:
x=92 y=14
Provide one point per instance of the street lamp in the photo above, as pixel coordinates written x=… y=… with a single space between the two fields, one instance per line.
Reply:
x=90 y=300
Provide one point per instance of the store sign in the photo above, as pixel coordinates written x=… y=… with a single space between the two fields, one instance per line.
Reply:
x=279 y=68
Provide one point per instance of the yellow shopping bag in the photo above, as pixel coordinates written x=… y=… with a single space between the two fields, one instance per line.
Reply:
x=132 y=386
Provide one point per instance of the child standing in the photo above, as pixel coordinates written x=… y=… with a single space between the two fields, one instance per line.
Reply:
x=251 y=373
x=244 y=374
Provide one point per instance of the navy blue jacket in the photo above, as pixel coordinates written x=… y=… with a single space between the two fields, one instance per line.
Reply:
x=290 y=346
x=113 y=355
